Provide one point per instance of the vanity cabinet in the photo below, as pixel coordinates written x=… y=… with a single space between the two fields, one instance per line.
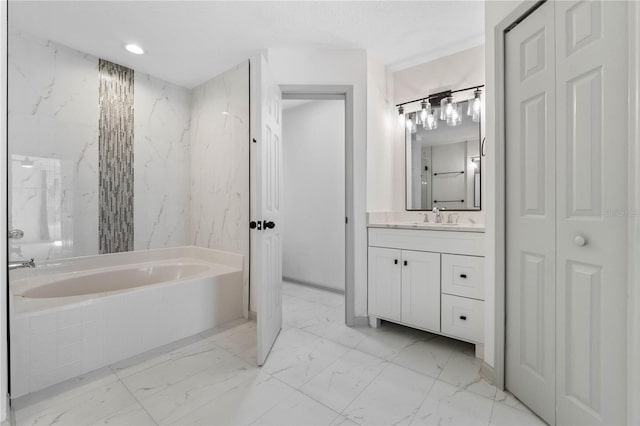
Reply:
x=427 y=279
x=404 y=286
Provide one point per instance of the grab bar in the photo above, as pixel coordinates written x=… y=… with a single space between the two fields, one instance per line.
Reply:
x=449 y=173
x=448 y=201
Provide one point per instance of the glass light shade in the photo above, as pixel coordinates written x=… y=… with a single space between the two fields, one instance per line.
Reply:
x=426 y=106
x=455 y=119
x=446 y=108
x=475 y=106
x=431 y=123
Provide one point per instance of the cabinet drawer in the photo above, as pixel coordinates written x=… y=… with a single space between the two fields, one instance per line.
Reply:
x=463 y=276
x=463 y=318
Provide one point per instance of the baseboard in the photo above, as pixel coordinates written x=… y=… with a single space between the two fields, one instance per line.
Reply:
x=488 y=373
x=253 y=316
x=314 y=285
x=360 y=321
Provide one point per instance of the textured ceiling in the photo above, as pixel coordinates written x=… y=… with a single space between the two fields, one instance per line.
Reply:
x=188 y=42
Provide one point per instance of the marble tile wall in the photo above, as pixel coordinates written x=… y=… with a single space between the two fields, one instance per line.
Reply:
x=53 y=122
x=162 y=156
x=219 y=163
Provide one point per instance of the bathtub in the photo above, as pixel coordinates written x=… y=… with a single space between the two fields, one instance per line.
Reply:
x=73 y=316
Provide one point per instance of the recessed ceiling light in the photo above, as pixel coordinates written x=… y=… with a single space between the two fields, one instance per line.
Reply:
x=225 y=112
x=134 y=48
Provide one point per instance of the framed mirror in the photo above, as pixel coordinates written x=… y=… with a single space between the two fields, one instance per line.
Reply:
x=443 y=159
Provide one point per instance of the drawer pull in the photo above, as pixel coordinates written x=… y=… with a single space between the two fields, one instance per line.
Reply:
x=463 y=275
x=463 y=317
x=395 y=261
x=405 y=263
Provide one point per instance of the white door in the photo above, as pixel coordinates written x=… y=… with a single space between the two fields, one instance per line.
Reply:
x=591 y=293
x=421 y=289
x=585 y=279
x=266 y=274
x=530 y=214
x=384 y=283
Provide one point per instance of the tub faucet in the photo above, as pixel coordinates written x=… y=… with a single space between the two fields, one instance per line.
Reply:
x=21 y=264
x=438 y=215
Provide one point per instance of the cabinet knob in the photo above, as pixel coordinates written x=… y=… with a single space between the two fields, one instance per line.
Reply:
x=463 y=275
x=395 y=261
x=405 y=263
x=580 y=241
x=463 y=317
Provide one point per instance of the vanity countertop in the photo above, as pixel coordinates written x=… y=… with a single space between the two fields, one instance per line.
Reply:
x=430 y=226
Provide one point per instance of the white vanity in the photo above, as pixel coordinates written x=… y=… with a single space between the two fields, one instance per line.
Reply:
x=429 y=277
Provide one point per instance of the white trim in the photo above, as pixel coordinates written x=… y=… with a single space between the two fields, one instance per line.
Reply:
x=4 y=355
x=633 y=329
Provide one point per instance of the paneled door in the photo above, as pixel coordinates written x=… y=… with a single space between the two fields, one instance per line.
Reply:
x=591 y=278
x=385 y=289
x=421 y=289
x=566 y=181
x=266 y=276
x=531 y=212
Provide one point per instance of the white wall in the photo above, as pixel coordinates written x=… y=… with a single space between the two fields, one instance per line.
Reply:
x=3 y=216
x=494 y=11
x=220 y=164
x=313 y=193
x=384 y=161
x=338 y=67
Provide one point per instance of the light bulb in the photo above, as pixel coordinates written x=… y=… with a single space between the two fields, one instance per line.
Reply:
x=431 y=123
x=455 y=118
x=475 y=106
x=134 y=48
x=446 y=108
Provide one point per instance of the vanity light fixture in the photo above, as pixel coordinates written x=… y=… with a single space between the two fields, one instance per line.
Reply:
x=27 y=163
x=425 y=106
x=475 y=106
x=134 y=48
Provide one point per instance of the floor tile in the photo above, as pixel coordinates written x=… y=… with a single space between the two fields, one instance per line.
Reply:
x=504 y=415
x=133 y=415
x=463 y=371
x=163 y=375
x=393 y=397
x=340 y=383
x=84 y=405
x=178 y=400
x=299 y=410
x=426 y=357
x=446 y=404
x=244 y=404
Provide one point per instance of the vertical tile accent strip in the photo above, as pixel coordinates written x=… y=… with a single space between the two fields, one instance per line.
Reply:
x=115 y=158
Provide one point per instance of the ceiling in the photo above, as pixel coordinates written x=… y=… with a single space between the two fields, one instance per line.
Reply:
x=188 y=42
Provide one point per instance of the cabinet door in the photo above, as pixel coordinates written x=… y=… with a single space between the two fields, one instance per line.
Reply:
x=421 y=289
x=384 y=283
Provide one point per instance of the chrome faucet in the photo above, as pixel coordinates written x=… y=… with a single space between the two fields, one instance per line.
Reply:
x=438 y=214
x=21 y=264
x=426 y=218
x=451 y=216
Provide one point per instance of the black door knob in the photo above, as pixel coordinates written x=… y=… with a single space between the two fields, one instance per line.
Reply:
x=269 y=224
x=253 y=224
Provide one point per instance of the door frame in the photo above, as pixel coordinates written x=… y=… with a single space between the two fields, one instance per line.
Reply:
x=524 y=9
x=338 y=92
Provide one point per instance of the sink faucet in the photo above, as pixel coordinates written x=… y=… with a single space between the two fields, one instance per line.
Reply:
x=438 y=215
x=451 y=216
x=426 y=218
x=21 y=264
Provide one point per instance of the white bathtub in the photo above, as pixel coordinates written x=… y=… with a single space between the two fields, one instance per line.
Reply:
x=74 y=316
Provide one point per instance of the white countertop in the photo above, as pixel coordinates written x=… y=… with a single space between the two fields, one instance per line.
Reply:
x=430 y=226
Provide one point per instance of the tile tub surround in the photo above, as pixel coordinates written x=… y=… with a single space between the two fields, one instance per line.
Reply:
x=54 y=339
x=211 y=378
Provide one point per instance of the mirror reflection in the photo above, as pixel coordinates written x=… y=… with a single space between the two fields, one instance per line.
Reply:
x=443 y=157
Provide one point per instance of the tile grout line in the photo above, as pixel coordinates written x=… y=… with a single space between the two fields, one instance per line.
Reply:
x=137 y=401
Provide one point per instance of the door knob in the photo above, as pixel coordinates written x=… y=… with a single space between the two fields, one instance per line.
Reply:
x=16 y=234
x=580 y=241
x=269 y=225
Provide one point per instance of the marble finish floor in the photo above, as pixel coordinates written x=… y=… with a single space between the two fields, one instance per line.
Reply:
x=320 y=372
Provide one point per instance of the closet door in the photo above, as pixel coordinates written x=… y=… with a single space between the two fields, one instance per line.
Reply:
x=591 y=79
x=530 y=211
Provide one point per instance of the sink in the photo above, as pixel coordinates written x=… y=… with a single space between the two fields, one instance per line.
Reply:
x=429 y=224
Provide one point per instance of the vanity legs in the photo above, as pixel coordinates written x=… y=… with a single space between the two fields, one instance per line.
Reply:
x=374 y=322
